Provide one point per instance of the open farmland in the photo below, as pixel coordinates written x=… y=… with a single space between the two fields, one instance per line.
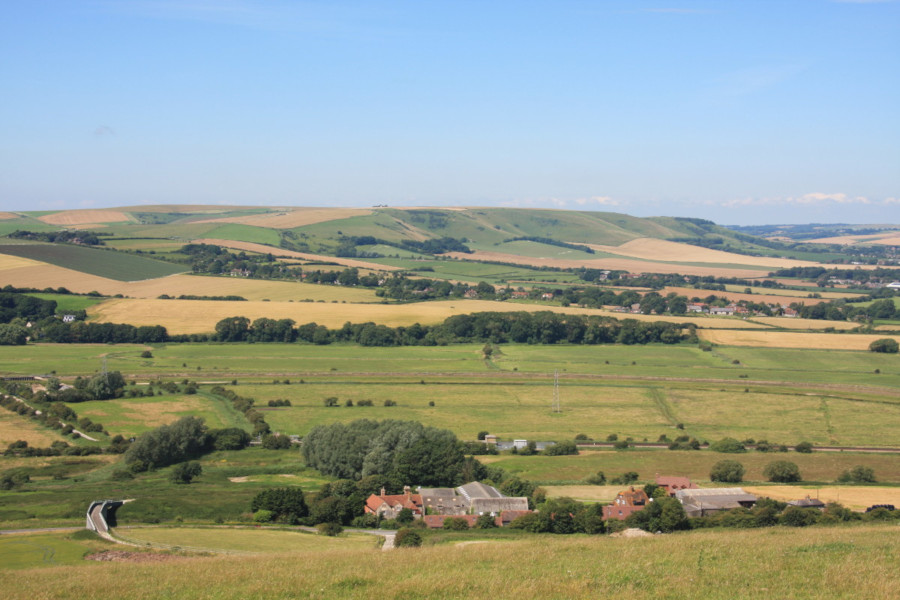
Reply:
x=14 y=427
x=662 y=250
x=197 y=316
x=289 y=218
x=93 y=261
x=797 y=323
x=624 y=264
x=133 y=416
x=785 y=339
x=766 y=298
x=824 y=563
x=854 y=498
x=694 y=464
x=77 y=218
x=280 y=252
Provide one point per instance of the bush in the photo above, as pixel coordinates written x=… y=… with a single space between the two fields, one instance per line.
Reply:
x=456 y=524
x=804 y=448
x=727 y=471
x=597 y=479
x=622 y=445
x=288 y=504
x=858 y=474
x=794 y=516
x=728 y=446
x=263 y=516
x=560 y=449
x=407 y=538
x=886 y=345
x=329 y=529
x=625 y=478
x=146 y=354
x=485 y=521
x=782 y=471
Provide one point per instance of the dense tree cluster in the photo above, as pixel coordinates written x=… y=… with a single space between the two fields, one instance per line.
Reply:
x=514 y=327
x=185 y=439
x=27 y=308
x=65 y=236
x=79 y=332
x=404 y=451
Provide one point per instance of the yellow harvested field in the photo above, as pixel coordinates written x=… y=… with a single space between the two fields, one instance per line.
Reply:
x=584 y=493
x=8 y=215
x=14 y=427
x=788 y=339
x=789 y=323
x=738 y=296
x=201 y=316
x=655 y=249
x=855 y=498
x=294 y=217
x=279 y=252
x=624 y=264
x=41 y=275
x=883 y=237
x=798 y=294
x=704 y=322
x=8 y=261
x=887 y=328
x=84 y=217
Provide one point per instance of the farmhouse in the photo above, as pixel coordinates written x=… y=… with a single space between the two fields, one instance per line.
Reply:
x=673 y=484
x=483 y=499
x=722 y=310
x=808 y=503
x=443 y=501
x=699 y=503
x=626 y=502
x=389 y=506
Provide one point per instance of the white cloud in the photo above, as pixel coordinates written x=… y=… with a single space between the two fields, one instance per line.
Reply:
x=811 y=198
x=601 y=200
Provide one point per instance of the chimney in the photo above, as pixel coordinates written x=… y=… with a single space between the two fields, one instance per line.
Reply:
x=382 y=490
x=406 y=490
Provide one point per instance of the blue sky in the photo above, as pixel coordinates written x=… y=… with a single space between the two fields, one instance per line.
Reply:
x=738 y=111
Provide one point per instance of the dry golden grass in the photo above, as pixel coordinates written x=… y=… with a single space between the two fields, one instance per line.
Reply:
x=41 y=275
x=14 y=427
x=585 y=493
x=789 y=323
x=656 y=249
x=279 y=252
x=856 y=498
x=198 y=316
x=738 y=296
x=885 y=237
x=84 y=217
x=10 y=262
x=294 y=217
x=251 y=289
x=824 y=563
x=705 y=322
x=8 y=215
x=787 y=339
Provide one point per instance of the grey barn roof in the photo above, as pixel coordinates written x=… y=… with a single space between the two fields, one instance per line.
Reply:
x=476 y=489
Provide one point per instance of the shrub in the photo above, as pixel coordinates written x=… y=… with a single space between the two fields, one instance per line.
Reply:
x=455 y=524
x=886 y=345
x=329 y=529
x=485 y=521
x=782 y=471
x=407 y=538
x=857 y=474
x=597 y=479
x=390 y=403
x=622 y=445
x=625 y=478
x=332 y=401
x=146 y=354
x=728 y=445
x=612 y=437
x=794 y=516
x=284 y=503
x=560 y=449
x=405 y=516
x=727 y=471
x=263 y=516
x=804 y=448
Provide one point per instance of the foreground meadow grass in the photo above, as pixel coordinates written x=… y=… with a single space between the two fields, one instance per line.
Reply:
x=821 y=562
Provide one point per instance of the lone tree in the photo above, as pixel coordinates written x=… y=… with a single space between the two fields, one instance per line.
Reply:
x=886 y=345
x=186 y=472
x=407 y=538
x=727 y=471
x=858 y=474
x=782 y=471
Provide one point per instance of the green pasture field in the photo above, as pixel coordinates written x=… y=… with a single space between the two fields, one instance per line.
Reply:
x=180 y=231
x=70 y=302
x=158 y=245
x=822 y=467
x=42 y=550
x=522 y=409
x=103 y=263
x=539 y=250
x=133 y=416
x=246 y=540
x=245 y=233
x=231 y=479
x=821 y=563
x=393 y=250
x=8 y=226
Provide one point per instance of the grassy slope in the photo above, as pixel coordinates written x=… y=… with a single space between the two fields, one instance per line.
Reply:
x=822 y=563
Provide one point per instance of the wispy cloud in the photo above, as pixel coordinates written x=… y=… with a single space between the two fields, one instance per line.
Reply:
x=600 y=200
x=812 y=198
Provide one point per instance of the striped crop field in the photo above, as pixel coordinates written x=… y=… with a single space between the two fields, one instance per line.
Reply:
x=788 y=339
x=93 y=261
